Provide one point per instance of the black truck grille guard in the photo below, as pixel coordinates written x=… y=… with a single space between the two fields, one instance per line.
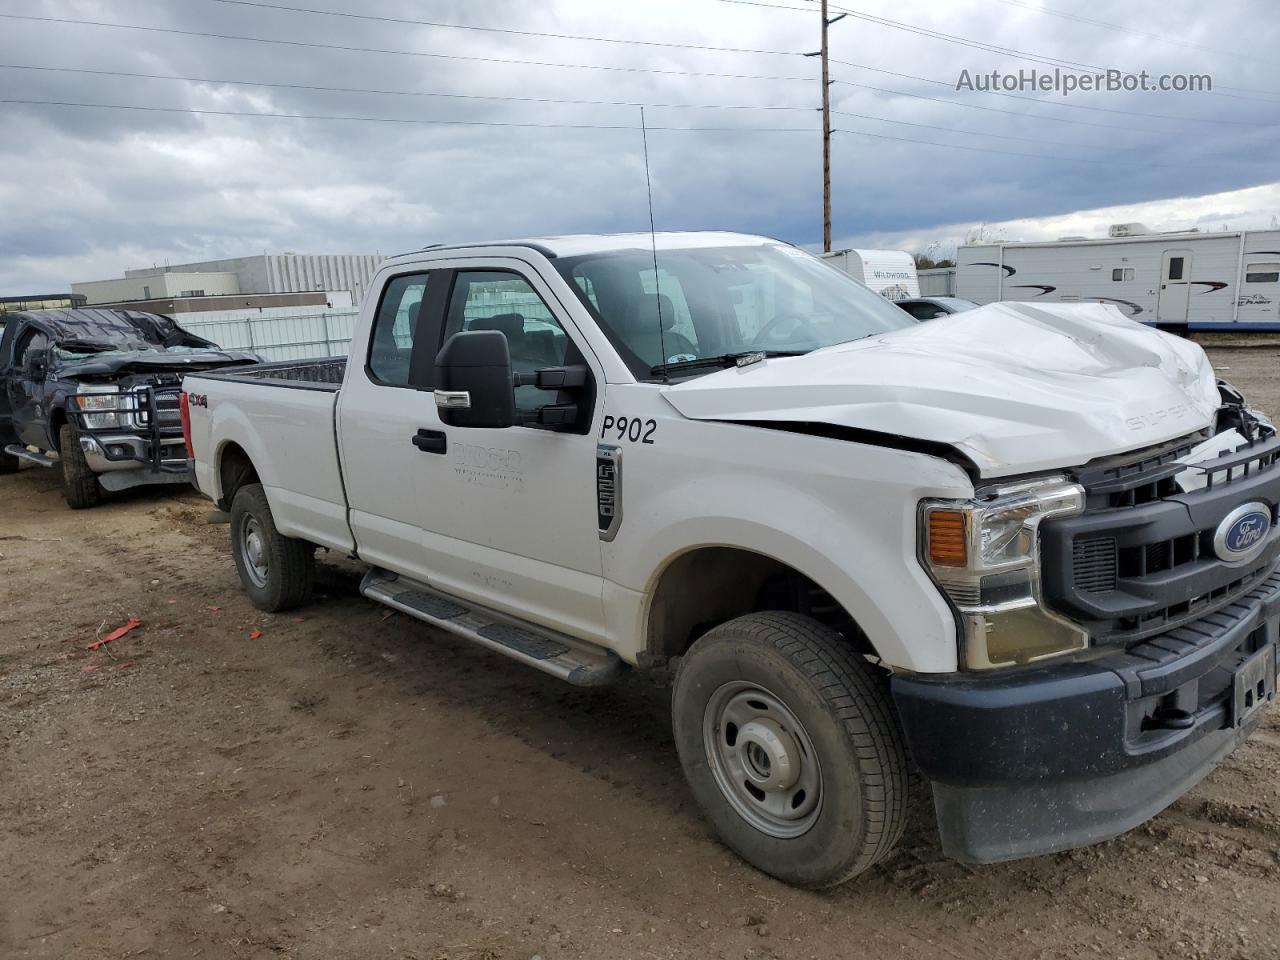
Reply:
x=151 y=412
x=1140 y=560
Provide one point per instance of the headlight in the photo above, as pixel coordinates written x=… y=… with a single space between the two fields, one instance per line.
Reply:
x=105 y=399
x=985 y=555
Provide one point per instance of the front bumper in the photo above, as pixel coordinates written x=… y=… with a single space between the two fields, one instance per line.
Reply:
x=123 y=461
x=1055 y=757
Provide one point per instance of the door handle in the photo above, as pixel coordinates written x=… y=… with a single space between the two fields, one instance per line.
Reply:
x=430 y=441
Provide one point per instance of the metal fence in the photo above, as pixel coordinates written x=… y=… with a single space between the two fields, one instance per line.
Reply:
x=328 y=334
x=280 y=338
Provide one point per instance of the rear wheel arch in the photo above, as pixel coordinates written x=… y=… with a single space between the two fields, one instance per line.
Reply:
x=235 y=469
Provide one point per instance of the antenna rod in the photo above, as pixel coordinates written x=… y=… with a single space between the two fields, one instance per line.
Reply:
x=653 y=244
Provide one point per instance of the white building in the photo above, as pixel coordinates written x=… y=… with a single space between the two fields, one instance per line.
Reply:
x=259 y=274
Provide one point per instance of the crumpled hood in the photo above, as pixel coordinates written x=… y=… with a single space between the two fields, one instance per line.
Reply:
x=153 y=361
x=1012 y=386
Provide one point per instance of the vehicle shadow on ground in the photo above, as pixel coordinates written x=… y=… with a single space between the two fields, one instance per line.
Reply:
x=620 y=734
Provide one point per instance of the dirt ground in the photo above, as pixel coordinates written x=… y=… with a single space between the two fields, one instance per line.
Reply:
x=348 y=783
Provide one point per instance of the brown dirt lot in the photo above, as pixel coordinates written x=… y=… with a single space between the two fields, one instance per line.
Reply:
x=352 y=784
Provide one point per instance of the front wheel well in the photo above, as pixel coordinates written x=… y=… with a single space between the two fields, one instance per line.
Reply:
x=57 y=417
x=709 y=586
x=235 y=470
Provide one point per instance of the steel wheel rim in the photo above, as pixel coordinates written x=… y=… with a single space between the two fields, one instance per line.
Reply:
x=253 y=550
x=762 y=759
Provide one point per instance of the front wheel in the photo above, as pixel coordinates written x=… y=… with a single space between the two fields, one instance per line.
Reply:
x=80 y=486
x=8 y=463
x=275 y=570
x=790 y=745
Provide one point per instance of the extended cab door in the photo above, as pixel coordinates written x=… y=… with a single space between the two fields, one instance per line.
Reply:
x=381 y=410
x=509 y=515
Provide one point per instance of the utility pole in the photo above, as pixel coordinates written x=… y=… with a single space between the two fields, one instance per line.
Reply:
x=826 y=129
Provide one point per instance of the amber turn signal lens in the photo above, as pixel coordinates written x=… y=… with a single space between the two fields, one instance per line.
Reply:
x=947 y=541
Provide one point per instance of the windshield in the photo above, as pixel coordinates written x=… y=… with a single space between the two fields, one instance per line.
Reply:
x=717 y=301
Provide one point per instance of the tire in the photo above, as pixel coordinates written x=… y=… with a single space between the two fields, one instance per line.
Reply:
x=79 y=484
x=8 y=463
x=275 y=570
x=820 y=700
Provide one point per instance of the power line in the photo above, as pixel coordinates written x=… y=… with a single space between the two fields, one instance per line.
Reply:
x=555 y=126
x=410 y=93
x=1037 y=156
x=1063 y=103
x=399 y=53
x=955 y=146
x=996 y=48
x=405 y=21
x=1031 y=57
x=514 y=99
x=1013 y=113
x=972 y=133
x=401 y=120
x=934 y=34
x=1049 y=11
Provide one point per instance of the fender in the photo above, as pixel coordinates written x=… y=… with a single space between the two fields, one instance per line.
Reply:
x=841 y=513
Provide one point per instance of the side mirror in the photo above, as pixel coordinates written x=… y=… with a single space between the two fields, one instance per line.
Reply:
x=474 y=385
x=38 y=364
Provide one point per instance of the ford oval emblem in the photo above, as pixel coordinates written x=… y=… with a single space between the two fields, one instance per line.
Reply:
x=1242 y=534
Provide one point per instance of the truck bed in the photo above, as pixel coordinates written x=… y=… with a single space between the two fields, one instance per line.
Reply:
x=322 y=373
x=287 y=434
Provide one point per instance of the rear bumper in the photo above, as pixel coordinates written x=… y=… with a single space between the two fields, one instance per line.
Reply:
x=1057 y=757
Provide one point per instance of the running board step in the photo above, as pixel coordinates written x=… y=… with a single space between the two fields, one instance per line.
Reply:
x=22 y=453
x=574 y=661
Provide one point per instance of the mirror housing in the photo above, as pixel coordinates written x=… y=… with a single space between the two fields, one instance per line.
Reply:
x=38 y=364
x=474 y=384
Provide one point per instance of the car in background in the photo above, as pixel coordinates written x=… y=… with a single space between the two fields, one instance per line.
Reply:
x=930 y=308
x=95 y=392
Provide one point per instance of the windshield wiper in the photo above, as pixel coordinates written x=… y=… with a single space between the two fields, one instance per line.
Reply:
x=741 y=359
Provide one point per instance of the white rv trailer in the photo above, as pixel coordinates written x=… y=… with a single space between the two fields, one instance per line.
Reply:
x=1200 y=281
x=890 y=273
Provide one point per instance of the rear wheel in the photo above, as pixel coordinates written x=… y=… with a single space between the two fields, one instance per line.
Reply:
x=80 y=486
x=789 y=742
x=275 y=570
x=8 y=463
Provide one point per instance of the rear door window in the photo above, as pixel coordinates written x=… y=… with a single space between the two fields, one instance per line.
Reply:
x=395 y=329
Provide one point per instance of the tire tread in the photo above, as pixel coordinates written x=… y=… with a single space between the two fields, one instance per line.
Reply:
x=79 y=484
x=859 y=700
x=292 y=560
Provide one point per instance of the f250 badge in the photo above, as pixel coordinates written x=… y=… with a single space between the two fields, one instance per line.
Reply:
x=608 y=490
x=197 y=400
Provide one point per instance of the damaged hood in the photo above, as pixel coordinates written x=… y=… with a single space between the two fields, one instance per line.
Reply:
x=152 y=361
x=1014 y=387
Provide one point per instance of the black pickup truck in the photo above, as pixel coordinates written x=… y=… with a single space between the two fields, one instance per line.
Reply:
x=96 y=393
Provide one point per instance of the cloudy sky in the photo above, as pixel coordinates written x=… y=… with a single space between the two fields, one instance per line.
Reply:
x=87 y=192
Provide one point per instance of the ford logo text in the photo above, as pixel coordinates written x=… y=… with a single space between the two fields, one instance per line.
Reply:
x=1242 y=534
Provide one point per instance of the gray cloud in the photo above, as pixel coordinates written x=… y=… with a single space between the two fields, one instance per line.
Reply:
x=86 y=193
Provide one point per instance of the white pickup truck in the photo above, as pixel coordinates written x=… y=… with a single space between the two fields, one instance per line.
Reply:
x=1026 y=553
